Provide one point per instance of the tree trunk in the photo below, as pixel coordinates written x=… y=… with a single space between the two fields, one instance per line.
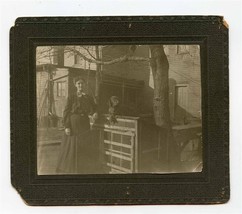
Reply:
x=160 y=67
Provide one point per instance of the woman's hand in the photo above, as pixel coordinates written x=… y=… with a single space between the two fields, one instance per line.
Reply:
x=67 y=131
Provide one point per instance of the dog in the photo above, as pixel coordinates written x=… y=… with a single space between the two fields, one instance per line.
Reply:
x=113 y=105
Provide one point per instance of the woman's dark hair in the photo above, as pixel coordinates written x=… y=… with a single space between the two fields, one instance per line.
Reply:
x=78 y=78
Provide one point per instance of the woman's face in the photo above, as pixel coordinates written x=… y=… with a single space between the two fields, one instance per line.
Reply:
x=80 y=85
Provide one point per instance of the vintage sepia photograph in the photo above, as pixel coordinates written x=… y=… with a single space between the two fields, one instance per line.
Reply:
x=120 y=110
x=112 y=109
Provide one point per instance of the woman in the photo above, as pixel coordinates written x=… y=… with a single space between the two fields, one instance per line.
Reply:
x=77 y=128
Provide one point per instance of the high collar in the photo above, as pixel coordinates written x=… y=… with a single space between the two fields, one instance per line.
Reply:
x=80 y=94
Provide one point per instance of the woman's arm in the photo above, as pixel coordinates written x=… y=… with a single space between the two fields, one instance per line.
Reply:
x=66 y=113
x=93 y=112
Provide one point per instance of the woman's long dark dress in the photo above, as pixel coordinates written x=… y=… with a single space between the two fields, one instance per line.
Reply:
x=76 y=118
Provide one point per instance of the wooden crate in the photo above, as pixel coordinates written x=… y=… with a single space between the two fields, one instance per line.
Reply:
x=125 y=144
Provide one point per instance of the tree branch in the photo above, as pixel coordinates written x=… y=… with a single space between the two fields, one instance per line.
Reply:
x=100 y=62
x=89 y=53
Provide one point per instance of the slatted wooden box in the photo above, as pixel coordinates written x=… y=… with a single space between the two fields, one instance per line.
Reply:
x=127 y=144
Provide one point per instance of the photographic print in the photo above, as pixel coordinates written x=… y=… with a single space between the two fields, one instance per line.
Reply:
x=120 y=110
x=111 y=109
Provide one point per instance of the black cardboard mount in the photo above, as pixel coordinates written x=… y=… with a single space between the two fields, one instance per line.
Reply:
x=211 y=186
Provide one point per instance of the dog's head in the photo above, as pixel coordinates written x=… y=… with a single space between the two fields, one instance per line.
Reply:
x=113 y=101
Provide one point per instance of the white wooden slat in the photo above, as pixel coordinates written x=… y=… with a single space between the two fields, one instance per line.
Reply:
x=132 y=155
x=127 y=133
x=116 y=171
x=118 y=144
x=118 y=156
x=113 y=127
x=125 y=120
x=120 y=152
x=119 y=167
x=111 y=146
x=121 y=159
